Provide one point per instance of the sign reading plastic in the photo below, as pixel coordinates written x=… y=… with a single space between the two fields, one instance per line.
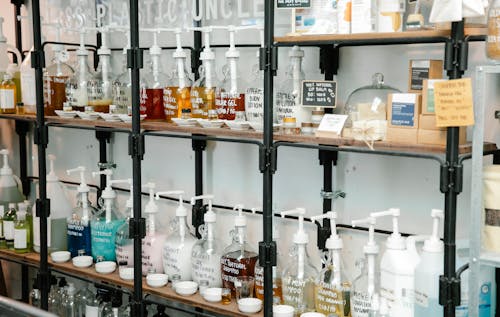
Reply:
x=288 y=4
x=319 y=93
x=453 y=103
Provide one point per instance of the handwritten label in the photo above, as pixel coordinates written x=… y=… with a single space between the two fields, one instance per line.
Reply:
x=288 y=4
x=453 y=103
x=319 y=93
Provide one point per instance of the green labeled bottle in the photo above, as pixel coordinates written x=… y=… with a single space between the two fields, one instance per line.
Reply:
x=2 y=236
x=22 y=238
x=8 y=225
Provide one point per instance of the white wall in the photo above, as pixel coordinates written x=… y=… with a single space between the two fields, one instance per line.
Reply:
x=371 y=182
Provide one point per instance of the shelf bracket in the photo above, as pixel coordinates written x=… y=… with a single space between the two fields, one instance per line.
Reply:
x=268 y=159
x=449 y=291
x=267 y=253
x=42 y=208
x=451 y=178
x=137 y=228
x=329 y=61
x=268 y=59
x=38 y=59
x=41 y=135
x=135 y=58
x=197 y=215
x=136 y=146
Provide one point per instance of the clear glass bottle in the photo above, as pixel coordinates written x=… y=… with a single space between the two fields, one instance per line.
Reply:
x=87 y=304
x=60 y=296
x=493 y=35
x=56 y=77
x=277 y=284
x=177 y=247
x=122 y=99
x=287 y=96
x=239 y=258
x=53 y=298
x=207 y=252
x=100 y=88
x=8 y=91
x=29 y=218
x=105 y=303
x=254 y=96
x=35 y=295
x=78 y=84
x=114 y=309
x=9 y=225
x=230 y=97
x=69 y=306
x=124 y=244
x=203 y=93
x=22 y=237
x=152 y=86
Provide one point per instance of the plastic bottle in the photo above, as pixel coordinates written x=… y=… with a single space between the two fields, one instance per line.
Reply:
x=177 y=96
x=35 y=295
x=299 y=274
x=153 y=244
x=332 y=291
x=207 y=252
x=10 y=184
x=69 y=308
x=428 y=271
x=177 y=247
x=28 y=94
x=22 y=238
x=59 y=212
x=78 y=224
x=124 y=244
x=366 y=284
x=100 y=86
x=397 y=270
x=9 y=225
x=205 y=88
x=104 y=226
x=77 y=85
x=8 y=91
x=238 y=258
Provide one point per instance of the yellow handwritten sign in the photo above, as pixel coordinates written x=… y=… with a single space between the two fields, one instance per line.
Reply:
x=453 y=103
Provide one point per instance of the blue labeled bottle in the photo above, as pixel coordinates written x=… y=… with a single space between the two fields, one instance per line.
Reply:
x=78 y=224
x=104 y=226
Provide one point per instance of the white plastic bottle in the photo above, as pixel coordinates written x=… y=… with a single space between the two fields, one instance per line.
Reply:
x=428 y=271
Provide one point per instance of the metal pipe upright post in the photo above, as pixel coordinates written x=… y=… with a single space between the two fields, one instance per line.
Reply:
x=41 y=139
x=267 y=248
x=136 y=150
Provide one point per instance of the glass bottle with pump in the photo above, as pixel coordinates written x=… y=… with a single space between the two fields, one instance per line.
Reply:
x=78 y=224
x=239 y=258
x=68 y=304
x=288 y=95
x=9 y=225
x=178 y=245
x=56 y=77
x=104 y=226
x=53 y=298
x=77 y=86
x=22 y=237
x=207 y=252
x=13 y=71
x=87 y=304
x=124 y=244
x=153 y=257
x=254 y=96
x=99 y=88
x=8 y=91
x=332 y=291
x=299 y=274
x=204 y=89
x=367 y=283
x=5 y=48
x=122 y=99
x=152 y=104
x=177 y=96
x=115 y=309
x=231 y=97
x=10 y=184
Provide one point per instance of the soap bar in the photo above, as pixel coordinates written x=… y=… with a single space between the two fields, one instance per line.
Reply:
x=421 y=70
x=403 y=110
x=428 y=96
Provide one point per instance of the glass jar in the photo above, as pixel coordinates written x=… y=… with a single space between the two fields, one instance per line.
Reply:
x=493 y=35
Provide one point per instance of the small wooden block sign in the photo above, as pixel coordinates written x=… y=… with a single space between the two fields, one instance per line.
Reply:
x=331 y=125
x=453 y=103
x=319 y=93
x=290 y=4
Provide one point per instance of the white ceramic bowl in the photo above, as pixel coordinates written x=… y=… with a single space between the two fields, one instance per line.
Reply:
x=157 y=280
x=250 y=305
x=66 y=114
x=237 y=125
x=210 y=123
x=312 y=314
x=184 y=122
x=88 y=115
x=83 y=261
x=127 y=118
x=283 y=311
x=213 y=294
x=60 y=256
x=126 y=273
x=110 y=117
x=105 y=267
x=186 y=288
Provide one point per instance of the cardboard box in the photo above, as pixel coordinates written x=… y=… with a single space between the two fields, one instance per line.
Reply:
x=421 y=69
x=402 y=135
x=438 y=137
x=428 y=122
x=403 y=111
x=428 y=96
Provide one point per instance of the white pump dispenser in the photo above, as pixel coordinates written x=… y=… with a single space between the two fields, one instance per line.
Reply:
x=178 y=245
x=428 y=271
x=10 y=184
x=122 y=83
x=77 y=87
x=397 y=270
x=299 y=274
x=100 y=88
x=4 y=47
x=207 y=252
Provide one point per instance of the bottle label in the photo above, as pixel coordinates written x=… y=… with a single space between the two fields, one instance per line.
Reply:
x=78 y=237
x=27 y=84
x=177 y=258
x=121 y=97
x=152 y=103
x=360 y=304
x=77 y=95
x=254 y=104
x=170 y=102
x=8 y=228
x=398 y=290
x=285 y=106
x=228 y=104
x=91 y=311
x=299 y=293
x=95 y=91
x=103 y=238
x=7 y=99
x=421 y=299
x=20 y=239
x=152 y=257
x=330 y=301
x=206 y=267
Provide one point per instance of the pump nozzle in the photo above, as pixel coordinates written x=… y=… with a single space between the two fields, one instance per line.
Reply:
x=371 y=247
x=300 y=237
x=240 y=220
x=51 y=176
x=5 y=170
x=395 y=241
x=83 y=185
x=151 y=206
x=108 y=192
x=181 y=211
x=209 y=215
x=434 y=244
x=334 y=241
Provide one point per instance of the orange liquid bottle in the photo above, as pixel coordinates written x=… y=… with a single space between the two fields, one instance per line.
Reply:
x=8 y=92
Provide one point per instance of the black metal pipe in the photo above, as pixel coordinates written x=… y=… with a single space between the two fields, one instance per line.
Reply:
x=202 y=137
x=89 y=46
x=38 y=63
x=25 y=287
x=195 y=58
x=18 y=28
x=120 y=49
x=103 y=137
x=197 y=212
x=22 y=128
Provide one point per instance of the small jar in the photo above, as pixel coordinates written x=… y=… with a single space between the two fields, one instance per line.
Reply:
x=289 y=126
x=20 y=108
x=67 y=106
x=315 y=127
x=317 y=116
x=307 y=128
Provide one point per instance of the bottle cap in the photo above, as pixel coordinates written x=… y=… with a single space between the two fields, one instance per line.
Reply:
x=151 y=207
x=240 y=220
x=371 y=246
x=434 y=244
x=300 y=237
x=296 y=52
x=12 y=205
x=7 y=76
x=181 y=211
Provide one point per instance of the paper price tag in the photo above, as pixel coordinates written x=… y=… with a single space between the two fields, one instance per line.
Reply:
x=332 y=123
x=453 y=103
x=290 y=4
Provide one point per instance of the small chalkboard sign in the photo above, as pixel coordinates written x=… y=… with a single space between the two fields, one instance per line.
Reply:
x=319 y=93
x=290 y=4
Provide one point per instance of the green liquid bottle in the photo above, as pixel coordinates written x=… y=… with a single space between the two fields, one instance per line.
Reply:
x=2 y=236
x=8 y=225
x=22 y=238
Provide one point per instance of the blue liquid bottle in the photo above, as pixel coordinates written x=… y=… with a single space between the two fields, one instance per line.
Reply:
x=78 y=224
x=105 y=225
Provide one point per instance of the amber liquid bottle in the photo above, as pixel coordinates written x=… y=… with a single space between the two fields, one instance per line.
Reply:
x=8 y=92
x=56 y=77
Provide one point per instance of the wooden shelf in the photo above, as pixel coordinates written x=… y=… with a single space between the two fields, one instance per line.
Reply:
x=91 y=275
x=420 y=36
